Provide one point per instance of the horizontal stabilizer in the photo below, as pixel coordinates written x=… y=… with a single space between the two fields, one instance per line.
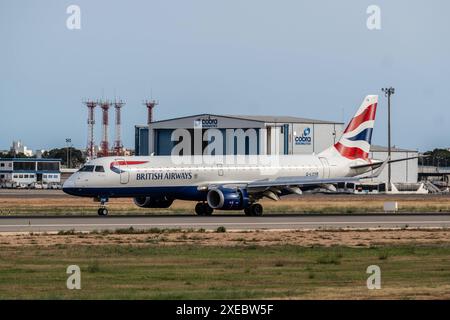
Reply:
x=375 y=165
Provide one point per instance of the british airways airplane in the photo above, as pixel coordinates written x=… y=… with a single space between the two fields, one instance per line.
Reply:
x=229 y=182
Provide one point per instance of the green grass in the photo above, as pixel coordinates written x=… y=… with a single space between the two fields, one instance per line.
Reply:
x=199 y=272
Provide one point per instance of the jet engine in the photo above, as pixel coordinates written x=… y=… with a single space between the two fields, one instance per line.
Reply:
x=151 y=202
x=228 y=198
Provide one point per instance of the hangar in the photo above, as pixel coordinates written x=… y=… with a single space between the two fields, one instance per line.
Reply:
x=401 y=172
x=274 y=135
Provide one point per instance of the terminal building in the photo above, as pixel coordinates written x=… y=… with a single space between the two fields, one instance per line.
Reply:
x=272 y=134
x=18 y=172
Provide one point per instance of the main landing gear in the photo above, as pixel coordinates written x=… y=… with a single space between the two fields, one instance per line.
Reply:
x=102 y=211
x=254 y=210
x=203 y=209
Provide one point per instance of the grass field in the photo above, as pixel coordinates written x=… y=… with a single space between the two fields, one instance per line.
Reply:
x=148 y=271
x=415 y=264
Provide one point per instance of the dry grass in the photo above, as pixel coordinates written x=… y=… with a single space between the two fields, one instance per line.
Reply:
x=321 y=238
x=61 y=204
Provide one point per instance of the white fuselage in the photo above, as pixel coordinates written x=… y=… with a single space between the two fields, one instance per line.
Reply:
x=181 y=176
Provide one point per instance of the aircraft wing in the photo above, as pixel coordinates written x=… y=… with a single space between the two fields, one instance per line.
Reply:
x=297 y=181
x=272 y=187
x=312 y=181
x=278 y=182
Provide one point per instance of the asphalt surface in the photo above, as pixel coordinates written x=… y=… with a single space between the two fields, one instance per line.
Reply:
x=81 y=223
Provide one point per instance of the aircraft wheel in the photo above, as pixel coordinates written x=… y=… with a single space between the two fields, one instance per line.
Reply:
x=102 y=212
x=203 y=209
x=200 y=209
x=256 y=210
x=208 y=210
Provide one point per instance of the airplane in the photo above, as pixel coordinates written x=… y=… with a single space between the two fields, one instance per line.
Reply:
x=231 y=182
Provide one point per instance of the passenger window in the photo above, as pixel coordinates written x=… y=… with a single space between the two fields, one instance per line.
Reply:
x=87 y=169
x=99 y=169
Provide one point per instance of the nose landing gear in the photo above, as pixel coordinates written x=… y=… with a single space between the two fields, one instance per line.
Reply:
x=102 y=211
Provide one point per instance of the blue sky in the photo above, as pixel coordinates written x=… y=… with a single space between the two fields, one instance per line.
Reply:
x=313 y=59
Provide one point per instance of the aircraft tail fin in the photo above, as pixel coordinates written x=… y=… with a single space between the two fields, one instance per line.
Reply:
x=357 y=137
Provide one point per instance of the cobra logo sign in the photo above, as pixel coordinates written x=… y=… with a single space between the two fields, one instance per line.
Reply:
x=206 y=123
x=305 y=138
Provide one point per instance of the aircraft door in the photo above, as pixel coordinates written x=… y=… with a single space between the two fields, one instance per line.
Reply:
x=325 y=168
x=123 y=169
x=220 y=169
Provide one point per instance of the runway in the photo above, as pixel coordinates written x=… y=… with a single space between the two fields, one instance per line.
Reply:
x=289 y=222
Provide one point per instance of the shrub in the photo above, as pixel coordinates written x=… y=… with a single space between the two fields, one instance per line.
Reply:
x=93 y=267
x=221 y=229
x=329 y=259
x=66 y=232
x=383 y=255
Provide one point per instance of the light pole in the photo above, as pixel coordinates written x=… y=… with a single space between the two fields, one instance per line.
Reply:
x=388 y=92
x=68 y=143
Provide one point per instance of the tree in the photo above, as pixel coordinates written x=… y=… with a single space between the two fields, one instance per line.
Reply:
x=437 y=157
x=76 y=156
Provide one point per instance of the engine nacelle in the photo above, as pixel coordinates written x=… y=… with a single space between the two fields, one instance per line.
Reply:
x=151 y=202
x=227 y=198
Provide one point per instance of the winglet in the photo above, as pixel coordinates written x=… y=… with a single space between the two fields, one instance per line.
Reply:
x=378 y=171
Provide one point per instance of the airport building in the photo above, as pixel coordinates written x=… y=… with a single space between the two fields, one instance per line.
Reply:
x=26 y=172
x=273 y=135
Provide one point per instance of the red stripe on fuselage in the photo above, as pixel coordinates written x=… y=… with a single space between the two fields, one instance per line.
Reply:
x=367 y=115
x=124 y=163
x=351 y=152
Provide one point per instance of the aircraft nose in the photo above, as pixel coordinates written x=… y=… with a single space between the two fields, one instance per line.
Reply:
x=69 y=186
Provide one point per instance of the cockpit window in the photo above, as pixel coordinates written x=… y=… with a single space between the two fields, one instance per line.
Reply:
x=99 y=169
x=87 y=169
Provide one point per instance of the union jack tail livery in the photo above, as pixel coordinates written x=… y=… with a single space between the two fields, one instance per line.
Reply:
x=356 y=139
